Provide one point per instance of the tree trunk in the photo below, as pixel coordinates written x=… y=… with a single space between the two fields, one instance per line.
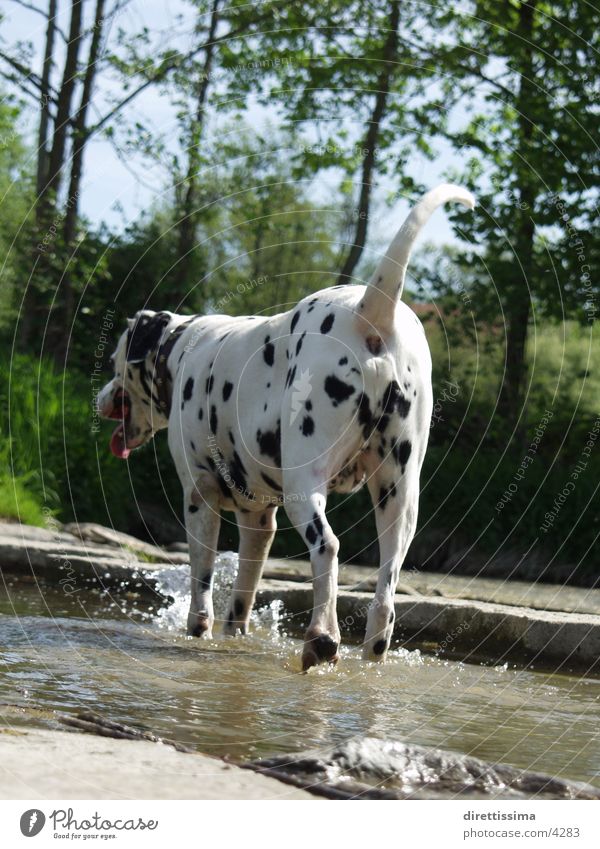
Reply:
x=71 y=213
x=42 y=153
x=390 y=50
x=37 y=310
x=63 y=107
x=30 y=299
x=518 y=306
x=187 y=224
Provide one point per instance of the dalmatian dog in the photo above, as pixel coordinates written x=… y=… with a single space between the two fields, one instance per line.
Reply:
x=264 y=412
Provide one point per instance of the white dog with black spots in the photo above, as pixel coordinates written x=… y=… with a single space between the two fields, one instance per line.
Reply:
x=264 y=412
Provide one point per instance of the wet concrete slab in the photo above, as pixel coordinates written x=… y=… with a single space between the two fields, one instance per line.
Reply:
x=43 y=764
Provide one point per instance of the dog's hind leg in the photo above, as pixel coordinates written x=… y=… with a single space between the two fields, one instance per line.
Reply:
x=395 y=494
x=256 y=535
x=305 y=499
x=202 y=522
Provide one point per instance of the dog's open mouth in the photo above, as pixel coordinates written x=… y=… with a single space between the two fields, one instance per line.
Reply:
x=121 y=410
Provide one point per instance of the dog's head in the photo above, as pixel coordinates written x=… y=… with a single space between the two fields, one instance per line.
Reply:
x=132 y=396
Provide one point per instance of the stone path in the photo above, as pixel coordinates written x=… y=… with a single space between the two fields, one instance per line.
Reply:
x=484 y=619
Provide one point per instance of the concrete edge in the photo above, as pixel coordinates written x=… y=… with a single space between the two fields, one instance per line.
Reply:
x=480 y=630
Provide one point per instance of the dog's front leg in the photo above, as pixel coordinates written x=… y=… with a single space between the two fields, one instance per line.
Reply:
x=202 y=522
x=256 y=535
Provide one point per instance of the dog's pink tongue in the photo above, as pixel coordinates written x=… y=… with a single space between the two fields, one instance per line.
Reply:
x=117 y=443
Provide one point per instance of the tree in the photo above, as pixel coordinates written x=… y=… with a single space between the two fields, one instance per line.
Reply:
x=15 y=198
x=64 y=95
x=527 y=70
x=354 y=96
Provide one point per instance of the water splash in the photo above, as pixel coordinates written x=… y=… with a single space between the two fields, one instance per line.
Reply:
x=174 y=582
x=270 y=617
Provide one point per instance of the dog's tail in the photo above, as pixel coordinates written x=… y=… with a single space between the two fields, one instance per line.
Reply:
x=385 y=287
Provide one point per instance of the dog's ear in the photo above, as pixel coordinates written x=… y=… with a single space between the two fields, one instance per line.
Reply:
x=144 y=334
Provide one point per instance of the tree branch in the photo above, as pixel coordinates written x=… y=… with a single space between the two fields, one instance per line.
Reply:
x=23 y=70
x=166 y=70
x=41 y=12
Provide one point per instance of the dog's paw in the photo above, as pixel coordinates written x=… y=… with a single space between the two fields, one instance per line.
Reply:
x=375 y=650
x=238 y=619
x=199 y=625
x=319 y=648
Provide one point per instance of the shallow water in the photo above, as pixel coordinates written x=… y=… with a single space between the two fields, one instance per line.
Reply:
x=132 y=662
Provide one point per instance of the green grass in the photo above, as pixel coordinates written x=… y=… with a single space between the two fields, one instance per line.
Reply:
x=19 y=503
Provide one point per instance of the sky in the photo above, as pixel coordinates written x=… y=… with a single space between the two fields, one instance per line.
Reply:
x=119 y=186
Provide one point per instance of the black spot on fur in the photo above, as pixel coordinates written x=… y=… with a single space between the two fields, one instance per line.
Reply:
x=231 y=438
x=382 y=423
x=343 y=361
x=238 y=607
x=379 y=647
x=193 y=508
x=209 y=383
x=269 y=351
x=294 y=322
x=327 y=323
x=188 y=389
x=201 y=413
x=401 y=451
x=394 y=401
x=227 y=390
x=299 y=343
x=270 y=482
x=318 y=523
x=238 y=472
x=308 y=426
x=311 y=534
x=337 y=390
x=290 y=376
x=213 y=419
x=384 y=494
x=145 y=335
x=270 y=443
x=205 y=581
x=365 y=415
x=262 y=521
x=225 y=490
x=308 y=406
